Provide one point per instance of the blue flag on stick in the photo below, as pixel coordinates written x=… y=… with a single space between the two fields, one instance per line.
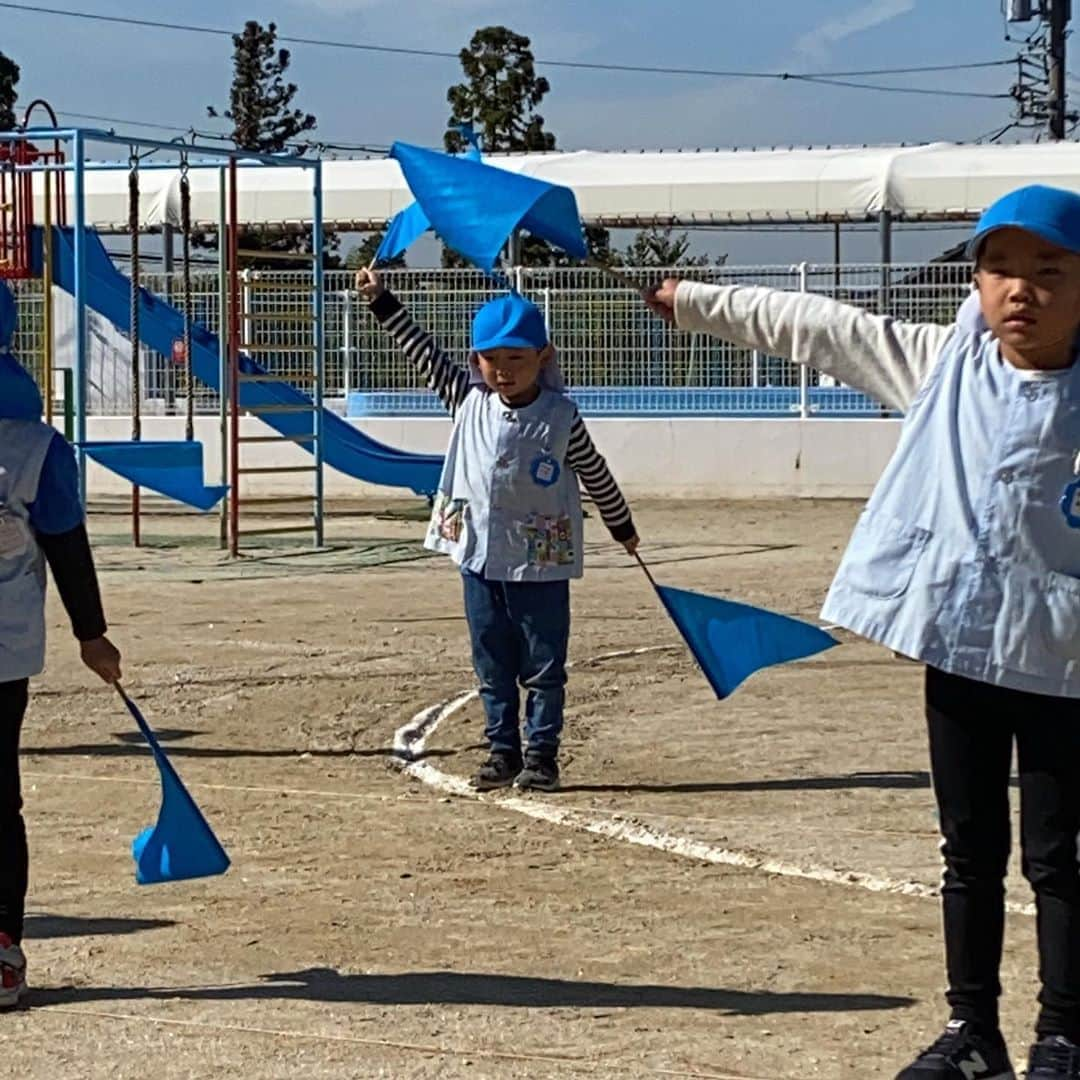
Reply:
x=181 y=845
x=404 y=229
x=475 y=207
x=730 y=641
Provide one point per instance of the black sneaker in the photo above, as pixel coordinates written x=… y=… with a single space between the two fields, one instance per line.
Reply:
x=962 y=1053
x=497 y=772
x=1054 y=1058
x=539 y=774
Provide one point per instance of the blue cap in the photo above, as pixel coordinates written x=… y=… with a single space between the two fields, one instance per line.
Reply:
x=1052 y=213
x=510 y=322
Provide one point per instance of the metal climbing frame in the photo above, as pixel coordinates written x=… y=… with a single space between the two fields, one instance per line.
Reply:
x=21 y=160
x=288 y=350
x=18 y=260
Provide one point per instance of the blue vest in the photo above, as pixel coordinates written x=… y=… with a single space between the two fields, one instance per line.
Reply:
x=963 y=558
x=508 y=506
x=23 y=446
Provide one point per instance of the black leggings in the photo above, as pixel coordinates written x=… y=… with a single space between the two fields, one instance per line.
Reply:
x=972 y=728
x=14 y=860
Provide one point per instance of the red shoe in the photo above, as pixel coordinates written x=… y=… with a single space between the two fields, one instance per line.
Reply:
x=12 y=973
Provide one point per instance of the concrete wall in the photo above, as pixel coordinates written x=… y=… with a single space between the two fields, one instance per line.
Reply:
x=676 y=458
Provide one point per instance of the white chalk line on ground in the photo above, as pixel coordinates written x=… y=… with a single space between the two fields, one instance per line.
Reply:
x=565 y=1062
x=409 y=743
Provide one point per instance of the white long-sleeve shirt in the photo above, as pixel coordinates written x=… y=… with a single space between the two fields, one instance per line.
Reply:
x=884 y=357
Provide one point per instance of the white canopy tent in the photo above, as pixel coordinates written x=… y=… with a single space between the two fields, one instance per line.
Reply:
x=936 y=182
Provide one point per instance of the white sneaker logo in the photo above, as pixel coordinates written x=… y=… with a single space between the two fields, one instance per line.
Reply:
x=974 y=1066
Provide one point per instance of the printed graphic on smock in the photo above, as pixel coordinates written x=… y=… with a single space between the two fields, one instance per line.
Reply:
x=551 y=540
x=1070 y=504
x=14 y=532
x=448 y=518
x=545 y=470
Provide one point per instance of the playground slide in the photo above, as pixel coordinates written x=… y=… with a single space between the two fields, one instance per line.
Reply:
x=345 y=447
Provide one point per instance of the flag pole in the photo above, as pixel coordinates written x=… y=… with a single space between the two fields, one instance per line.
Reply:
x=648 y=572
x=615 y=275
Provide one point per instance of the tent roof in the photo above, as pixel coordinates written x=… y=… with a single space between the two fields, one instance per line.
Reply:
x=935 y=182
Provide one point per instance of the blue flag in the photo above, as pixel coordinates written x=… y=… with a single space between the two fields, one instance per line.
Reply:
x=730 y=641
x=172 y=469
x=475 y=207
x=406 y=226
x=181 y=845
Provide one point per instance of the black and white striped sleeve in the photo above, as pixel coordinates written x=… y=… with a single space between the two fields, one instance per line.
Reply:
x=448 y=379
x=583 y=457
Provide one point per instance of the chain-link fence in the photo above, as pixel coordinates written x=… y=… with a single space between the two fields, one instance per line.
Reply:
x=617 y=358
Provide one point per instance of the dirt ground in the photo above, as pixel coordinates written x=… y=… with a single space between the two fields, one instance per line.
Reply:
x=372 y=925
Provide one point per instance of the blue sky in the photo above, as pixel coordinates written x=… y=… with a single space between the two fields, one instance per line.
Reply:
x=169 y=78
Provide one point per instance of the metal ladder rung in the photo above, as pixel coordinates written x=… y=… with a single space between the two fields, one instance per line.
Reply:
x=264 y=469
x=276 y=438
x=276 y=529
x=279 y=500
x=260 y=410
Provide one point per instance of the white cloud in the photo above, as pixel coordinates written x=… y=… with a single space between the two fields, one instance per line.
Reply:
x=816 y=43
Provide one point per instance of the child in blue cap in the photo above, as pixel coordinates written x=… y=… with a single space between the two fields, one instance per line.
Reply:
x=508 y=512
x=967 y=558
x=41 y=521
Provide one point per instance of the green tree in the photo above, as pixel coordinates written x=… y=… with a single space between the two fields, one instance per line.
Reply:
x=9 y=77
x=499 y=98
x=265 y=121
x=500 y=95
x=661 y=246
x=260 y=101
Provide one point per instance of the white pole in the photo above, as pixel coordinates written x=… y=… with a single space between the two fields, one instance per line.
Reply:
x=804 y=371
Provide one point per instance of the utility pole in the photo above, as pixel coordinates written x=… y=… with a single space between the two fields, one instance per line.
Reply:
x=1057 y=18
x=1039 y=91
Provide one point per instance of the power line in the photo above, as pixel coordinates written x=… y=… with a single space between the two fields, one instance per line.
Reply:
x=819 y=80
x=326 y=143
x=573 y=64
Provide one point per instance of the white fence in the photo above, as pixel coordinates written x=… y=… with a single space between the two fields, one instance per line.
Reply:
x=618 y=358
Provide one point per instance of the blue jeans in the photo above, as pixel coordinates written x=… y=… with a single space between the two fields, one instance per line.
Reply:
x=520 y=631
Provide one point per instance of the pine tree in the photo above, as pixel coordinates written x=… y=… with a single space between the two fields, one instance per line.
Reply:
x=260 y=101
x=499 y=98
x=9 y=77
x=661 y=246
x=266 y=122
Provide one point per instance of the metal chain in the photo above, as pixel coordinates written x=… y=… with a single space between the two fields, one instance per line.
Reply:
x=185 y=229
x=133 y=227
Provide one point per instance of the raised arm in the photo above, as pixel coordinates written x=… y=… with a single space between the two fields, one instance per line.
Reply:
x=448 y=379
x=885 y=357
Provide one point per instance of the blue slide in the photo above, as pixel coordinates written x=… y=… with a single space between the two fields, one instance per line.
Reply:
x=346 y=448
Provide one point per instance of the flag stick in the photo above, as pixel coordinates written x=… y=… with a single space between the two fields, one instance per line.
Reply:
x=648 y=572
x=615 y=275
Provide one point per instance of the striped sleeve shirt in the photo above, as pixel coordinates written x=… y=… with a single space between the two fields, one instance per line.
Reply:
x=453 y=383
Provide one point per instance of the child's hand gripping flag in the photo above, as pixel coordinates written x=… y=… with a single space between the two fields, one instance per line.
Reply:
x=181 y=845
x=730 y=641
